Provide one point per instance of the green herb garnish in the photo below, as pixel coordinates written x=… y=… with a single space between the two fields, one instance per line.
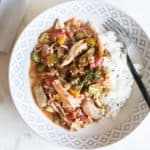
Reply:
x=89 y=76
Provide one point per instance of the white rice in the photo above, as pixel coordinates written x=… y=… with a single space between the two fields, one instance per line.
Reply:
x=120 y=76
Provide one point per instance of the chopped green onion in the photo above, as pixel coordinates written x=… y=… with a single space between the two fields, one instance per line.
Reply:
x=41 y=67
x=35 y=57
x=91 y=59
x=44 y=38
x=51 y=59
x=82 y=60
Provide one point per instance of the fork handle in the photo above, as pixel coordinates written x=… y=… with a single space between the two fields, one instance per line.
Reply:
x=138 y=81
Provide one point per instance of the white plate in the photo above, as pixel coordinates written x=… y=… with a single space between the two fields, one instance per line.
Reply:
x=96 y=135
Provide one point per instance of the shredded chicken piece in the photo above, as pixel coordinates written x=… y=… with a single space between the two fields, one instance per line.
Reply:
x=40 y=96
x=75 y=50
x=91 y=110
x=67 y=99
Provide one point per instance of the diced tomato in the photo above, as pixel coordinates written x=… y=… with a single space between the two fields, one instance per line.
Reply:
x=48 y=81
x=71 y=116
x=57 y=33
x=92 y=65
x=98 y=62
x=83 y=117
x=70 y=33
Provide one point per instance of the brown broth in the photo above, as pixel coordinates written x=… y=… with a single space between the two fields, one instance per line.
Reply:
x=33 y=81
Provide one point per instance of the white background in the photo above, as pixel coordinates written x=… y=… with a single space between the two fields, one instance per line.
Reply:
x=16 y=135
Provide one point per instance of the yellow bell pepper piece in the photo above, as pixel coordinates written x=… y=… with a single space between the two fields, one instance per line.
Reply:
x=61 y=40
x=91 y=42
x=56 y=97
x=74 y=92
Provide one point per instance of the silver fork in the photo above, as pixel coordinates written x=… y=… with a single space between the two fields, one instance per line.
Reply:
x=125 y=38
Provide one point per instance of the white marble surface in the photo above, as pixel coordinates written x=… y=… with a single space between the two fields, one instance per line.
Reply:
x=16 y=135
